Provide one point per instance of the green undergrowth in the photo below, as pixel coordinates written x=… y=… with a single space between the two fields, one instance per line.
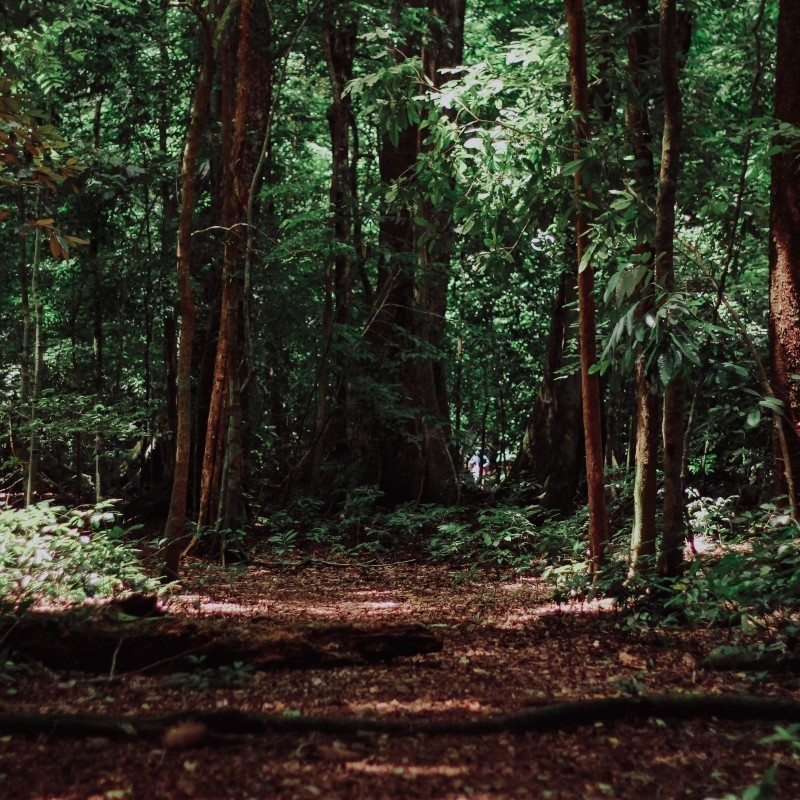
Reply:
x=49 y=552
x=508 y=536
x=743 y=572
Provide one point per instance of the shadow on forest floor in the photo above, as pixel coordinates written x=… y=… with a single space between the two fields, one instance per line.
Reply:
x=505 y=647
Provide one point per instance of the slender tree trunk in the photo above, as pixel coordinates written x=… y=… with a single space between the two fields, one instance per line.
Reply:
x=673 y=422
x=25 y=306
x=18 y=445
x=34 y=447
x=97 y=317
x=333 y=412
x=784 y=325
x=643 y=535
x=177 y=511
x=166 y=234
x=590 y=384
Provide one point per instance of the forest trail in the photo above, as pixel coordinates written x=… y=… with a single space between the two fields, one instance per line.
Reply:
x=506 y=648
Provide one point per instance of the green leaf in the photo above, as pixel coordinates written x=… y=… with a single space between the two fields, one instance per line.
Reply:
x=571 y=167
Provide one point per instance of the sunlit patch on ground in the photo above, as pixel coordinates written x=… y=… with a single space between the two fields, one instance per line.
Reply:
x=429 y=705
x=407 y=770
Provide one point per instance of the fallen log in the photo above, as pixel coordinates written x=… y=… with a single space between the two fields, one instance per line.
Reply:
x=221 y=725
x=107 y=642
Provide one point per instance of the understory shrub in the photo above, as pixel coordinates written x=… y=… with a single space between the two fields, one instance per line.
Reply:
x=744 y=566
x=67 y=554
x=506 y=535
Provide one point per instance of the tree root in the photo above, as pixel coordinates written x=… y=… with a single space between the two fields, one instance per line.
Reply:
x=223 y=724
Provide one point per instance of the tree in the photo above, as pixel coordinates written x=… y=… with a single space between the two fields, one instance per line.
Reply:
x=643 y=535
x=590 y=385
x=784 y=297
x=552 y=446
x=413 y=442
x=673 y=422
x=174 y=532
x=221 y=502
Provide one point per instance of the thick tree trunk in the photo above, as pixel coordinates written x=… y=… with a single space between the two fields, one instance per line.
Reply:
x=673 y=422
x=416 y=462
x=590 y=384
x=784 y=324
x=221 y=499
x=552 y=447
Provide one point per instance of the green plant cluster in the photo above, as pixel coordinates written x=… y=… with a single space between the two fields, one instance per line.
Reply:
x=508 y=535
x=49 y=551
x=756 y=572
x=200 y=676
x=740 y=567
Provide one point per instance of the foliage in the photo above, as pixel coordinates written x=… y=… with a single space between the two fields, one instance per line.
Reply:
x=202 y=677
x=758 y=571
x=744 y=567
x=507 y=536
x=64 y=554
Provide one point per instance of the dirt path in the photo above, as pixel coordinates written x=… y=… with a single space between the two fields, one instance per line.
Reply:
x=505 y=649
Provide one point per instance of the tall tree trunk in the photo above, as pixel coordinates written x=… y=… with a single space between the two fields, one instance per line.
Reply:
x=177 y=510
x=223 y=428
x=552 y=446
x=673 y=422
x=18 y=446
x=784 y=324
x=643 y=535
x=338 y=38
x=34 y=446
x=590 y=384
x=416 y=462
x=166 y=234
x=25 y=306
x=97 y=316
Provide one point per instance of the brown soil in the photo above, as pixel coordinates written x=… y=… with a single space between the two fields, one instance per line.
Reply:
x=506 y=648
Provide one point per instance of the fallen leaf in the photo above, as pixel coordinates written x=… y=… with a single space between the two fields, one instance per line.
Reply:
x=184 y=734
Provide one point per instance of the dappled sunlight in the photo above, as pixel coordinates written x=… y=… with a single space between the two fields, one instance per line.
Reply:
x=406 y=770
x=419 y=705
x=201 y=605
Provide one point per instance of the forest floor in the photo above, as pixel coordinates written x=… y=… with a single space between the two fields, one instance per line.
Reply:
x=506 y=647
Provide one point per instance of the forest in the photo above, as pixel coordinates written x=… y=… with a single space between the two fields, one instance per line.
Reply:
x=400 y=399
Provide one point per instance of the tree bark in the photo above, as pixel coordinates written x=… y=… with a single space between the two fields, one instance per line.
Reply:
x=552 y=447
x=97 y=317
x=221 y=498
x=174 y=532
x=590 y=384
x=34 y=445
x=333 y=404
x=413 y=439
x=784 y=323
x=19 y=448
x=643 y=535
x=673 y=422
